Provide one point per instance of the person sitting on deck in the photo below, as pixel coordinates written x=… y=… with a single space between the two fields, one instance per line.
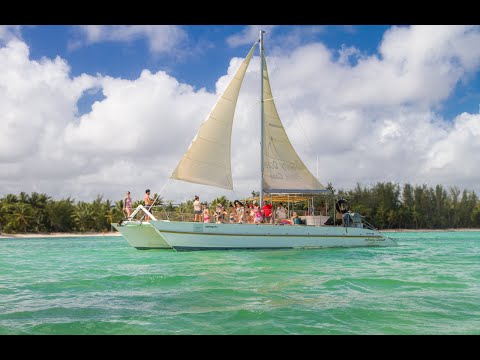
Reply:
x=220 y=214
x=233 y=213
x=257 y=214
x=240 y=211
x=295 y=219
x=281 y=213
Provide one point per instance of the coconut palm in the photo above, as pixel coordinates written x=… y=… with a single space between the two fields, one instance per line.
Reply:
x=185 y=210
x=84 y=216
x=39 y=203
x=60 y=215
x=22 y=215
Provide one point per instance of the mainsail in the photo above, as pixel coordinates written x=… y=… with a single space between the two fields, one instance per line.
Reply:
x=207 y=160
x=283 y=170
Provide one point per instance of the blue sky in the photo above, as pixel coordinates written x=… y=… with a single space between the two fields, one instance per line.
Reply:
x=202 y=68
x=207 y=56
x=411 y=91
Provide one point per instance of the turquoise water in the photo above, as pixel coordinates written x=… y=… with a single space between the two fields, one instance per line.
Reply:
x=430 y=284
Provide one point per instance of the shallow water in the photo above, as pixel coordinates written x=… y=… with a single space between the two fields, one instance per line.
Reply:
x=429 y=284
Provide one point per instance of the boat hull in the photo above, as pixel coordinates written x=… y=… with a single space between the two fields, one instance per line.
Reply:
x=141 y=235
x=184 y=236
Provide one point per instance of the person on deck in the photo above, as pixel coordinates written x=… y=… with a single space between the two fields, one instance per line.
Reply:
x=127 y=205
x=148 y=203
x=240 y=211
x=280 y=213
x=267 y=212
x=295 y=219
x=206 y=214
x=197 y=209
x=220 y=214
x=257 y=214
x=233 y=214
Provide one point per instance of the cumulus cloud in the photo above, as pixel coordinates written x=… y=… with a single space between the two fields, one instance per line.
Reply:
x=161 y=38
x=368 y=118
x=293 y=37
x=9 y=32
x=248 y=35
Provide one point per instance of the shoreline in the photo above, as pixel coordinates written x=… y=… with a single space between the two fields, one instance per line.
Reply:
x=430 y=230
x=116 y=233
x=56 y=235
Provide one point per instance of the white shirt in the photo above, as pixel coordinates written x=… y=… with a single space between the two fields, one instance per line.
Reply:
x=196 y=205
x=281 y=214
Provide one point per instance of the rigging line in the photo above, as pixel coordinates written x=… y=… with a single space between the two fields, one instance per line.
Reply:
x=297 y=118
x=158 y=195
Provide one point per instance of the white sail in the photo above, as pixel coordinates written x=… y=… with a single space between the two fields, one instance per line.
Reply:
x=207 y=160
x=283 y=170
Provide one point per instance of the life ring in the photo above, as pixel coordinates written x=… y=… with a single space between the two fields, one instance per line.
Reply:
x=342 y=206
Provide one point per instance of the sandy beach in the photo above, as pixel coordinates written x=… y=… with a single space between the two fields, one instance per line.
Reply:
x=42 y=235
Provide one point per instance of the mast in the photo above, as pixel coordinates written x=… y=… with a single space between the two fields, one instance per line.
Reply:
x=260 y=204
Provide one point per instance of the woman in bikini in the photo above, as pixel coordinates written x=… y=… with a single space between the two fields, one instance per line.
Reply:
x=206 y=215
x=127 y=204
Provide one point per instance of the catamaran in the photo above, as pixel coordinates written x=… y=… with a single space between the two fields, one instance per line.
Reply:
x=207 y=161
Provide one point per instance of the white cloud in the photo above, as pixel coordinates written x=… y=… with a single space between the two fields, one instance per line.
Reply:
x=161 y=38
x=293 y=37
x=368 y=120
x=248 y=35
x=9 y=32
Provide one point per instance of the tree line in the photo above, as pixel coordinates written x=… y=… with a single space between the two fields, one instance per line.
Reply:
x=389 y=206
x=385 y=205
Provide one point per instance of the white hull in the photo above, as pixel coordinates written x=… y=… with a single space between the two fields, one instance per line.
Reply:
x=142 y=235
x=200 y=236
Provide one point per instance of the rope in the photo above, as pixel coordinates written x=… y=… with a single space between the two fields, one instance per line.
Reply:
x=155 y=200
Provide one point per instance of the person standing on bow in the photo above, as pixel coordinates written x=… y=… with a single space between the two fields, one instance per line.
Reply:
x=148 y=203
x=127 y=205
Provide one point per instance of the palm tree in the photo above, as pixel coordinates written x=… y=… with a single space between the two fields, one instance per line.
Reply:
x=3 y=214
x=84 y=216
x=60 y=215
x=185 y=209
x=23 y=197
x=10 y=199
x=22 y=214
x=119 y=209
x=220 y=200
x=39 y=203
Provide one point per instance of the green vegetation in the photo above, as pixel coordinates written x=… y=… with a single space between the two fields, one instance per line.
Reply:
x=40 y=213
x=385 y=205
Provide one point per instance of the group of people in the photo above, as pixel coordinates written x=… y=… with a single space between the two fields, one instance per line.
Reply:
x=127 y=204
x=237 y=212
x=250 y=213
